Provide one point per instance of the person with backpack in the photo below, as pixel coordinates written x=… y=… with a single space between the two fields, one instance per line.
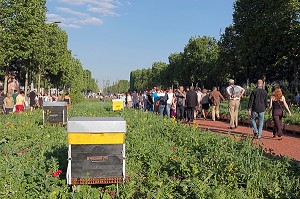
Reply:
x=234 y=93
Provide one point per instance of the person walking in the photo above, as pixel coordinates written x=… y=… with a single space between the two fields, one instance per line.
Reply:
x=215 y=97
x=32 y=102
x=198 y=108
x=180 y=103
x=8 y=103
x=129 y=100
x=149 y=101
x=20 y=102
x=205 y=103
x=277 y=102
x=135 y=100
x=234 y=93
x=169 y=102
x=163 y=98
x=2 y=96
x=191 y=104
x=257 y=104
x=155 y=99
x=67 y=99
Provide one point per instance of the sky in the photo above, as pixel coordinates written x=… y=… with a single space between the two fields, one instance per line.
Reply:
x=111 y=38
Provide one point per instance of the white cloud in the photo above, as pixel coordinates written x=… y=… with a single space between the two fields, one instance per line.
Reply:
x=70 y=26
x=88 y=8
x=55 y=17
x=75 y=2
x=91 y=21
x=102 y=10
x=72 y=12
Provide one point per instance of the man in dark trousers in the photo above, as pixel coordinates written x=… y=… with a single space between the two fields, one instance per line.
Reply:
x=258 y=102
x=180 y=104
x=191 y=103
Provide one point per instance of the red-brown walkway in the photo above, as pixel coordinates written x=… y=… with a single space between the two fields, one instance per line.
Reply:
x=288 y=146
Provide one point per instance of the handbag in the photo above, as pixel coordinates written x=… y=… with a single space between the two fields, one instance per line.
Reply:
x=283 y=111
x=157 y=103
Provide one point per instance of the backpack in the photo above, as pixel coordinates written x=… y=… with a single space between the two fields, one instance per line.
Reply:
x=235 y=91
x=163 y=99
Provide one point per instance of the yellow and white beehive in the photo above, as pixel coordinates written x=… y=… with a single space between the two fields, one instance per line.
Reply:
x=96 y=150
x=118 y=104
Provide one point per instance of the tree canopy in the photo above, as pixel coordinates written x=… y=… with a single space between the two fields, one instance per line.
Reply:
x=262 y=42
x=40 y=47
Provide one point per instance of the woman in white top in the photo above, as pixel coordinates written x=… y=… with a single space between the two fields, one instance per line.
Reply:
x=169 y=102
x=129 y=100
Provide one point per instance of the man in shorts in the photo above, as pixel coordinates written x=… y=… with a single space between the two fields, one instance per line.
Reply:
x=20 y=102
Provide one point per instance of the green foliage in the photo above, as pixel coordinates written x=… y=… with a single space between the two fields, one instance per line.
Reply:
x=196 y=65
x=122 y=86
x=262 y=43
x=41 y=46
x=266 y=38
x=164 y=159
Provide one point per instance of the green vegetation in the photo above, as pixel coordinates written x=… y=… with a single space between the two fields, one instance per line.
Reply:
x=243 y=113
x=164 y=159
x=262 y=43
x=121 y=86
x=38 y=50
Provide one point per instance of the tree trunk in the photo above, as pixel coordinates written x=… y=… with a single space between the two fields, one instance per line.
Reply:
x=39 y=83
x=26 y=82
x=5 y=80
x=296 y=76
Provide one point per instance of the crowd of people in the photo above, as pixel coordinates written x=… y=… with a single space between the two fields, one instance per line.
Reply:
x=191 y=103
x=184 y=104
x=17 y=101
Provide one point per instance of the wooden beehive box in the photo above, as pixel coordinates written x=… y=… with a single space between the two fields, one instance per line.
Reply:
x=118 y=104
x=96 y=150
x=55 y=112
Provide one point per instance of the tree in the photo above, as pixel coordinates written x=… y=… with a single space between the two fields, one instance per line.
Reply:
x=200 y=59
x=228 y=58
x=266 y=37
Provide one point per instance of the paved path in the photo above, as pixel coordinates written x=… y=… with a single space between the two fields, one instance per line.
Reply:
x=288 y=146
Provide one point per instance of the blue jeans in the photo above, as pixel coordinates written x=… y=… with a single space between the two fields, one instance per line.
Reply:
x=161 y=109
x=260 y=122
x=8 y=110
x=168 y=110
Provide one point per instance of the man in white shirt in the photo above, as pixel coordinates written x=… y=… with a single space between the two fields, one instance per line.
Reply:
x=169 y=102
x=198 y=109
x=234 y=93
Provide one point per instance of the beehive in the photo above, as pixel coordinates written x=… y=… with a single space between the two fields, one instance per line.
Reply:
x=96 y=150
x=118 y=104
x=55 y=112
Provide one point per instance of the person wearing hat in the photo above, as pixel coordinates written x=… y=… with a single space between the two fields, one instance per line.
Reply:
x=234 y=93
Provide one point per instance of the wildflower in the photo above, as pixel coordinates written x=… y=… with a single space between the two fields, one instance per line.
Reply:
x=174 y=148
x=4 y=153
x=181 y=177
x=112 y=194
x=57 y=173
x=18 y=153
x=23 y=151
